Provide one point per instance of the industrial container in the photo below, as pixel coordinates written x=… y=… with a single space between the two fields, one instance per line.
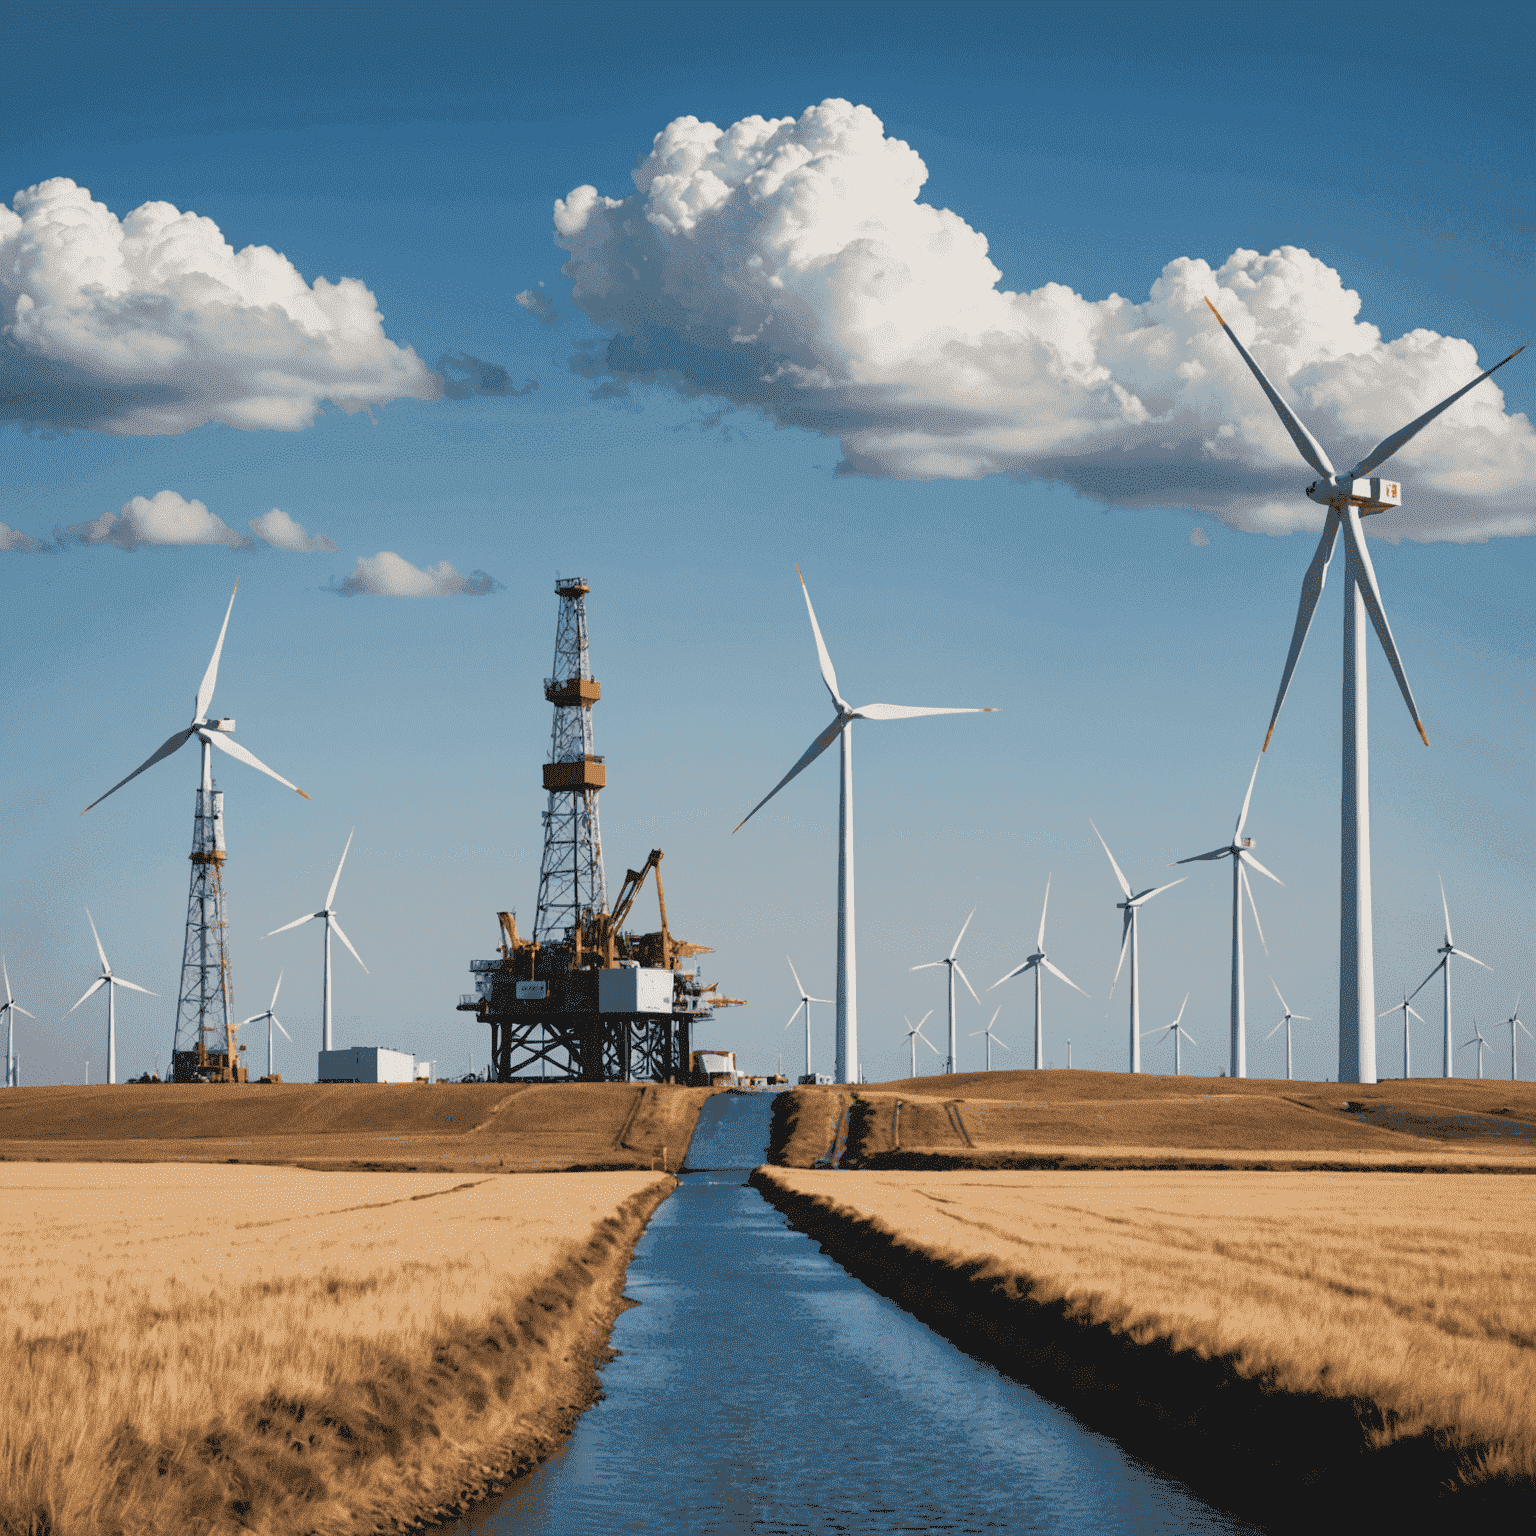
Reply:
x=634 y=989
x=366 y=1064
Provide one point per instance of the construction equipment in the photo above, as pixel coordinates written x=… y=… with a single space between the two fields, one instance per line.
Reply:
x=582 y=999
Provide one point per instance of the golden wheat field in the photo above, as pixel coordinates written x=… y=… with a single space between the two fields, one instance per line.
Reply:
x=1413 y=1292
x=195 y=1348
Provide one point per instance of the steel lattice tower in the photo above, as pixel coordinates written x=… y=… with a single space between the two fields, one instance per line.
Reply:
x=203 y=1001
x=571 y=884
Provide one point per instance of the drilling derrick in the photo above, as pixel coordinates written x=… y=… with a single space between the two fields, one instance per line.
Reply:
x=581 y=1000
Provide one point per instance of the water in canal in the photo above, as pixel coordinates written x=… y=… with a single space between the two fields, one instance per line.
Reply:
x=760 y=1388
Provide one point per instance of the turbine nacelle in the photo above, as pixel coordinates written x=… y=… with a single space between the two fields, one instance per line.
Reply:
x=1366 y=496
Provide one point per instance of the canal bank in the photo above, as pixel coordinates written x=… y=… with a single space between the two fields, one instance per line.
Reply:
x=758 y=1386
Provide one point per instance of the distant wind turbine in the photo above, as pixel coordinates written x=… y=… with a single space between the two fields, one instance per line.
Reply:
x=1514 y=1024
x=1176 y=1029
x=838 y=730
x=805 y=1002
x=1130 y=906
x=1477 y=1040
x=954 y=965
x=1239 y=851
x=1286 y=1023
x=915 y=1033
x=1407 y=1008
x=991 y=1037
x=271 y=1019
x=111 y=983
x=1446 y=950
x=1036 y=963
x=10 y=1008
x=1347 y=499
x=328 y=913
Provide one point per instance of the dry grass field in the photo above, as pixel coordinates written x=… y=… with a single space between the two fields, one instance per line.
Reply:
x=197 y=1349
x=1100 y=1119
x=442 y=1127
x=1402 y=1306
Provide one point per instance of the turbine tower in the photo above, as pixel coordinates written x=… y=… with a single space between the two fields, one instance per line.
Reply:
x=1239 y=851
x=10 y=1008
x=1514 y=1024
x=111 y=983
x=1446 y=950
x=1131 y=906
x=203 y=1003
x=991 y=1037
x=805 y=1002
x=954 y=965
x=1036 y=963
x=572 y=886
x=915 y=1033
x=1347 y=499
x=328 y=914
x=839 y=731
x=1176 y=1029
x=1286 y=1024
x=1407 y=1009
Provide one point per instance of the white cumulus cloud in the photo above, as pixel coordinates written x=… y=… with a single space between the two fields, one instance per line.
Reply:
x=538 y=304
x=790 y=265
x=387 y=575
x=281 y=532
x=155 y=324
x=162 y=519
x=14 y=538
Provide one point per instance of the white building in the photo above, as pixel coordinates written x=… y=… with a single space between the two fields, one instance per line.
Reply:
x=366 y=1064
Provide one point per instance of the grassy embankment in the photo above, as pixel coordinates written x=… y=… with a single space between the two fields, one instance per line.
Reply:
x=442 y=1127
x=1062 y=1119
x=1300 y=1346
x=199 y=1349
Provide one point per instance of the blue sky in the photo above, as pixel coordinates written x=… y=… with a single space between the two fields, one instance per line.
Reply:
x=420 y=151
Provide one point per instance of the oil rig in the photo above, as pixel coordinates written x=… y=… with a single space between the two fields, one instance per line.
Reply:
x=582 y=1000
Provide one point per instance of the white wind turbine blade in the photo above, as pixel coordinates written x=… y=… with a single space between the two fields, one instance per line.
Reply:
x=927 y=965
x=133 y=986
x=1147 y=896
x=1125 y=935
x=330 y=895
x=1428 y=979
x=795 y=1015
x=1281 y=1025
x=235 y=750
x=1445 y=907
x=1365 y=575
x=954 y=949
x=348 y=942
x=275 y=990
x=1311 y=450
x=1283 y=1003
x=1248 y=859
x=828 y=674
x=169 y=745
x=1311 y=590
x=1415 y=1012
x=1242 y=815
x=6 y=972
x=911 y=711
x=966 y=979
x=94 y=987
x=308 y=917
x=807 y=757
x=799 y=986
x=827 y=1000
x=1028 y=965
x=1180 y=1016
x=1242 y=875
x=926 y=1041
x=1200 y=858
x=1040 y=937
x=1062 y=976
x=1461 y=954
x=1188 y=1036
x=17 y=1008
x=211 y=676
x=998 y=1040
x=1124 y=883
x=1389 y=445
x=286 y=1036
x=99 y=950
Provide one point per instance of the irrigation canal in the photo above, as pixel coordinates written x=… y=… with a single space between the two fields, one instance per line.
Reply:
x=760 y=1388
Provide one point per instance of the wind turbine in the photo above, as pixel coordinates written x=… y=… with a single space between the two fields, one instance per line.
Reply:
x=991 y=1037
x=805 y=1002
x=111 y=983
x=1286 y=1021
x=915 y=1033
x=1407 y=1008
x=1446 y=950
x=1130 y=906
x=10 y=1008
x=838 y=730
x=1477 y=1040
x=1036 y=963
x=954 y=965
x=1176 y=1029
x=271 y=1019
x=328 y=912
x=1348 y=499
x=1239 y=851
x=1514 y=1024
